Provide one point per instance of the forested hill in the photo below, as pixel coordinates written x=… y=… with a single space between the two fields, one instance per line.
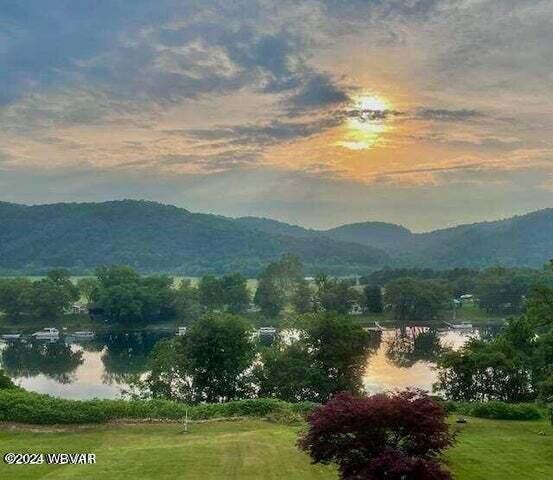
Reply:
x=159 y=238
x=154 y=237
x=378 y=234
x=520 y=241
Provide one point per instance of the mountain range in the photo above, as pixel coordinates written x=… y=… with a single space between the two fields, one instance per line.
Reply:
x=154 y=237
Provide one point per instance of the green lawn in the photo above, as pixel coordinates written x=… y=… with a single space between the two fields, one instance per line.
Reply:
x=252 y=449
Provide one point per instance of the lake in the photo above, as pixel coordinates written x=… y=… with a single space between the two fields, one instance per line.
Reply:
x=102 y=366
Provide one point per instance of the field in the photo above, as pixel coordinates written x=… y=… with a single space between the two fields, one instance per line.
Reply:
x=255 y=449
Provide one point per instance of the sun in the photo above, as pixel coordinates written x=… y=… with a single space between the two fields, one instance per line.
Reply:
x=366 y=123
x=372 y=103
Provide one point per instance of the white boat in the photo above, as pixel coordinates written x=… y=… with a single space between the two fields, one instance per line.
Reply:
x=181 y=331
x=267 y=331
x=84 y=334
x=460 y=326
x=47 y=334
x=377 y=328
x=11 y=336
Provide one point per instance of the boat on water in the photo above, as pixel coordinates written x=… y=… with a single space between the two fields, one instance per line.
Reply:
x=460 y=326
x=377 y=328
x=11 y=336
x=84 y=334
x=49 y=333
x=181 y=331
x=267 y=331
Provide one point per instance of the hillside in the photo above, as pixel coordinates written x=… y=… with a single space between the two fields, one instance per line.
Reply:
x=275 y=227
x=157 y=238
x=378 y=234
x=520 y=241
x=162 y=238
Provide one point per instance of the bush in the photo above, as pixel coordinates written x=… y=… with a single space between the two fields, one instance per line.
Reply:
x=285 y=417
x=394 y=436
x=5 y=381
x=29 y=407
x=504 y=411
x=499 y=410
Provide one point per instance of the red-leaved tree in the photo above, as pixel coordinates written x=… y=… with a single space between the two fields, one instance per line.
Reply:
x=395 y=436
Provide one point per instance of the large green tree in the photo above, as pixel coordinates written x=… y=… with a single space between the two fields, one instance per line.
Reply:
x=210 y=292
x=50 y=297
x=501 y=290
x=278 y=285
x=126 y=297
x=270 y=299
x=417 y=300
x=302 y=299
x=517 y=365
x=211 y=363
x=335 y=295
x=15 y=296
x=329 y=357
x=374 y=301
x=187 y=302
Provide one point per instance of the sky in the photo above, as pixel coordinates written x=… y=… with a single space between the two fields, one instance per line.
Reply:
x=427 y=113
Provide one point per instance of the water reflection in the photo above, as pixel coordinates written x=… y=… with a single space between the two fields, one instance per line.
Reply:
x=409 y=345
x=54 y=360
x=101 y=366
x=407 y=355
x=126 y=354
x=72 y=368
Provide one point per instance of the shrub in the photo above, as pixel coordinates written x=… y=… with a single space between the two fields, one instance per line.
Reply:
x=18 y=405
x=504 y=411
x=5 y=381
x=394 y=436
x=285 y=417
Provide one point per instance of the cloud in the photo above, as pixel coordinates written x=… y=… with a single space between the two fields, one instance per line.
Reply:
x=259 y=91
x=318 y=92
x=443 y=114
x=260 y=135
x=131 y=56
x=217 y=162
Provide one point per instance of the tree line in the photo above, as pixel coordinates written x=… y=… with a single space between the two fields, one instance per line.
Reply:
x=119 y=294
x=497 y=290
x=219 y=359
x=514 y=366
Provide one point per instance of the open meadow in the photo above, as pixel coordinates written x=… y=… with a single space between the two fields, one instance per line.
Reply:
x=255 y=449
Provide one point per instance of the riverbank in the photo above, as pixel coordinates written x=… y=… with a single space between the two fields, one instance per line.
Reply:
x=253 y=449
x=468 y=313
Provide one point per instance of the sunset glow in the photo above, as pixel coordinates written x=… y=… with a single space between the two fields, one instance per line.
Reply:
x=367 y=123
x=372 y=103
x=378 y=100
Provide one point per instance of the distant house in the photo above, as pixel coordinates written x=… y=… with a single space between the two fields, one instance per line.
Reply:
x=467 y=298
x=356 y=309
x=77 y=309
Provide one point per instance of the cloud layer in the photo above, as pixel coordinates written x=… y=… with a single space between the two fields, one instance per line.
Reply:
x=183 y=100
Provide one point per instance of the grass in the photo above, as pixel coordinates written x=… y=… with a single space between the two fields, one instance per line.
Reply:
x=503 y=450
x=255 y=449
x=473 y=314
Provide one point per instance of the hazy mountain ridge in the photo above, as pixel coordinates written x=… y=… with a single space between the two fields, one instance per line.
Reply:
x=156 y=237
x=519 y=241
x=164 y=238
x=387 y=236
